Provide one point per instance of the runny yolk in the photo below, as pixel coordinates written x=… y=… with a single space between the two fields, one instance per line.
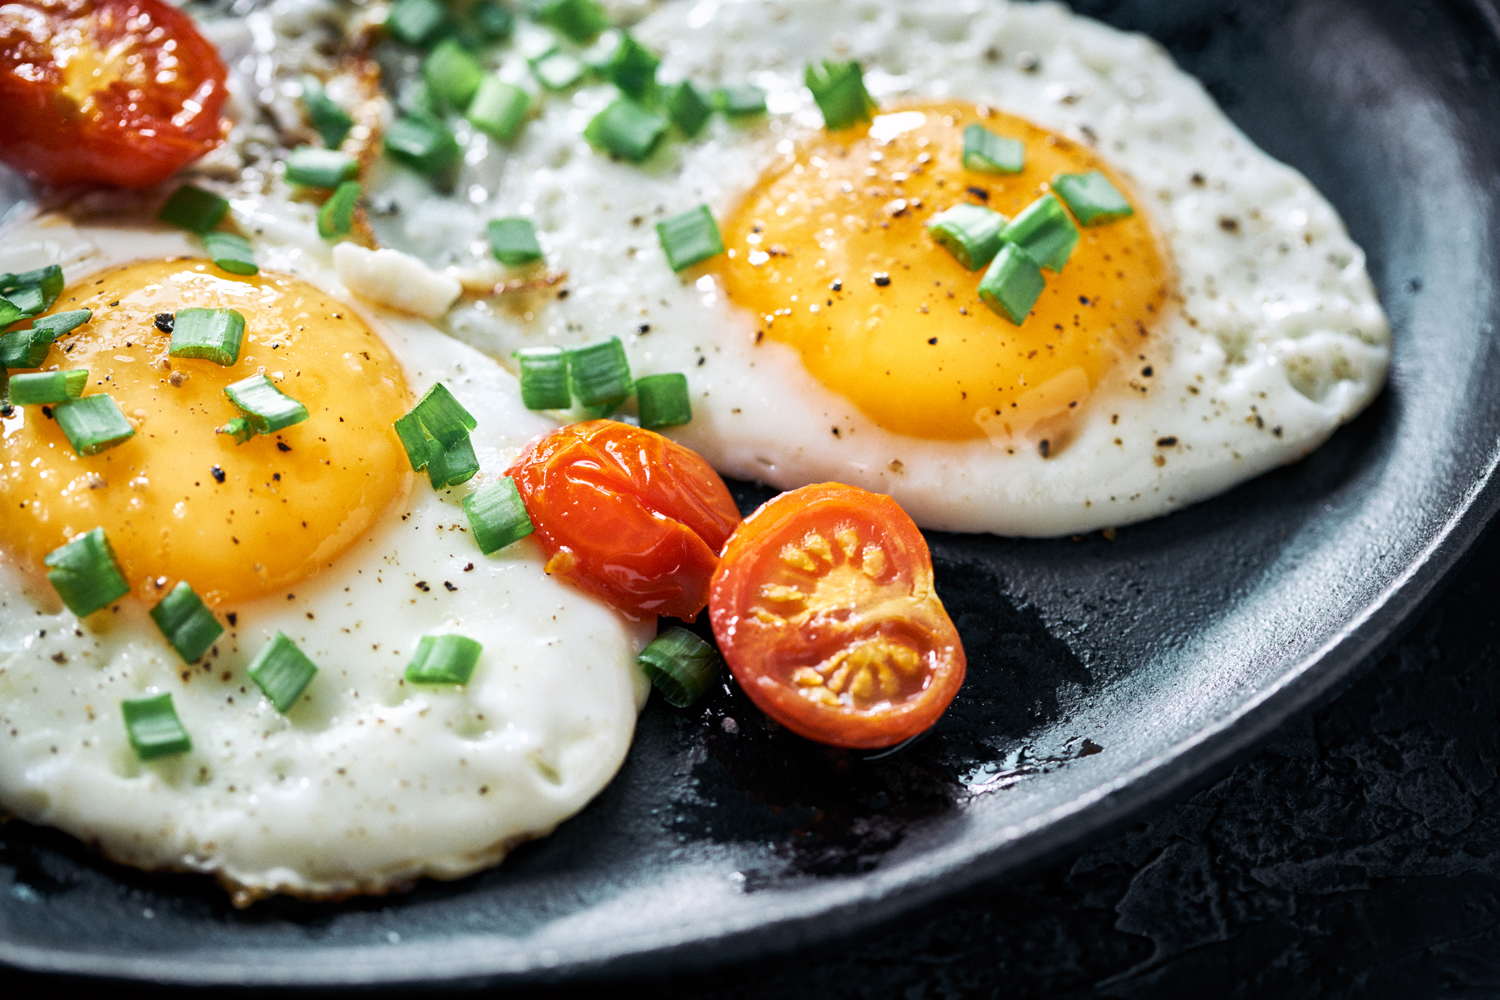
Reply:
x=178 y=501
x=830 y=251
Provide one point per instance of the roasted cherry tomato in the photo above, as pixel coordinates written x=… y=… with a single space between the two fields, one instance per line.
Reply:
x=105 y=91
x=824 y=610
x=627 y=515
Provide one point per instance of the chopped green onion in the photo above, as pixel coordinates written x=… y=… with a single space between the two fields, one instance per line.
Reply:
x=319 y=168
x=599 y=373
x=662 y=400
x=152 y=726
x=497 y=515
x=987 y=153
x=230 y=252
x=444 y=659
x=64 y=322
x=970 y=233
x=687 y=108
x=193 y=209
x=690 y=237
x=239 y=428
x=499 y=108
x=93 y=424
x=209 y=334
x=558 y=71
x=415 y=99
x=680 y=665
x=86 y=574
x=417 y=22
x=186 y=622
x=266 y=408
x=839 y=89
x=580 y=20
x=328 y=119
x=1012 y=284
x=336 y=217
x=1092 y=198
x=1044 y=231
x=627 y=130
x=544 y=378
x=10 y=312
x=25 y=348
x=535 y=44
x=737 y=101
x=494 y=20
x=282 y=672
x=28 y=294
x=454 y=466
x=423 y=144
x=437 y=417
x=632 y=67
x=48 y=387
x=453 y=73
x=514 y=241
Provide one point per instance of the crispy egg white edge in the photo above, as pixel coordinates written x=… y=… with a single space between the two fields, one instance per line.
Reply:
x=372 y=783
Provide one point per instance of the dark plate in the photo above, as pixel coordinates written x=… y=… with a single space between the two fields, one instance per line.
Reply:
x=1104 y=675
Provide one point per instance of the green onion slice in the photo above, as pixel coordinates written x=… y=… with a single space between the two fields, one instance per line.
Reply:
x=239 y=428
x=319 y=168
x=230 y=252
x=687 y=108
x=632 y=67
x=152 y=726
x=64 y=322
x=680 y=665
x=1012 y=284
x=442 y=417
x=1044 y=231
x=662 y=400
x=1092 y=198
x=627 y=130
x=453 y=74
x=266 y=408
x=514 y=241
x=186 y=622
x=599 y=373
x=498 y=108
x=544 y=378
x=23 y=295
x=417 y=22
x=580 y=20
x=690 y=237
x=497 y=515
x=493 y=20
x=454 y=465
x=85 y=573
x=48 y=387
x=839 y=90
x=282 y=672
x=737 y=101
x=988 y=153
x=444 y=659
x=328 y=119
x=93 y=424
x=193 y=209
x=424 y=144
x=558 y=71
x=336 y=217
x=25 y=348
x=208 y=334
x=969 y=232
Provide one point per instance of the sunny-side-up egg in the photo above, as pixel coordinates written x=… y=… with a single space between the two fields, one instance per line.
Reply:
x=320 y=531
x=1227 y=327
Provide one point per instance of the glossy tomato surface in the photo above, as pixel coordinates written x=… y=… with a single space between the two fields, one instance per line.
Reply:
x=121 y=92
x=824 y=609
x=627 y=515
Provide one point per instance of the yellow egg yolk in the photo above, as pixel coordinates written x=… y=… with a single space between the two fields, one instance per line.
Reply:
x=830 y=251
x=178 y=501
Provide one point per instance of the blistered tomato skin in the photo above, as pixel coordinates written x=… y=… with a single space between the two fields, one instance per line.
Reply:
x=122 y=92
x=627 y=515
x=824 y=608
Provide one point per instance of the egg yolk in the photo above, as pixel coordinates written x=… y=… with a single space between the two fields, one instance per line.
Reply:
x=830 y=250
x=178 y=501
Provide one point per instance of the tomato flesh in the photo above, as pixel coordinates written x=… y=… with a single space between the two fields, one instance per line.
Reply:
x=824 y=609
x=627 y=515
x=121 y=92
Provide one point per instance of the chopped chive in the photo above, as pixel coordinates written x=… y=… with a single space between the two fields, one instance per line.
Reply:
x=499 y=108
x=282 y=672
x=11 y=313
x=64 y=322
x=193 y=209
x=266 y=408
x=544 y=378
x=680 y=665
x=415 y=99
x=627 y=130
x=93 y=424
x=230 y=252
x=1092 y=198
x=513 y=241
x=423 y=144
x=327 y=118
x=599 y=373
x=1012 y=284
x=444 y=659
x=580 y=20
x=453 y=466
x=25 y=348
x=690 y=237
x=632 y=67
x=417 y=22
x=208 y=334
x=839 y=90
x=493 y=20
x=29 y=293
x=239 y=429
x=419 y=446
x=453 y=74
x=435 y=424
x=969 y=232
x=319 y=168
x=48 y=387
x=85 y=573
x=662 y=400
x=186 y=622
x=737 y=101
x=153 y=728
x=336 y=217
x=558 y=71
x=497 y=515
x=1044 y=231
x=687 y=108
x=988 y=153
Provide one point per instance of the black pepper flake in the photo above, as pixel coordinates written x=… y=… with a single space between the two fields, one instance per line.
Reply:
x=1045 y=447
x=1147 y=371
x=836 y=432
x=233 y=618
x=837 y=285
x=422 y=586
x=6 y=410
x=468 y=567
x=1166 y=442
x=979 y=192
x=114 y=303
x=164 y=321
x=881 y=279
x=643 y=329
x=449 y=587
x=1198 y=180
x=283 y=446
x=932 y=340
x=1229 y=224
x=47 y=412
x=217 y=473
x=276 y=476
x=1084 y=299
x=562 y=294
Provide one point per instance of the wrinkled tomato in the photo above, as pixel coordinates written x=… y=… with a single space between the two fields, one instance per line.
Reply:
x=824 y=609
x=118 y=92
x=627 y=515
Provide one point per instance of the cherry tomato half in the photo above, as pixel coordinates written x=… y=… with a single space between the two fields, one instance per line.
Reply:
x=824 y=609
x=627 y=515
x=105 y=91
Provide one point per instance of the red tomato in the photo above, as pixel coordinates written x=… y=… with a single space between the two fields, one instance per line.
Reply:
x=105 y=91
x=627 y=515
x=824 y=610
